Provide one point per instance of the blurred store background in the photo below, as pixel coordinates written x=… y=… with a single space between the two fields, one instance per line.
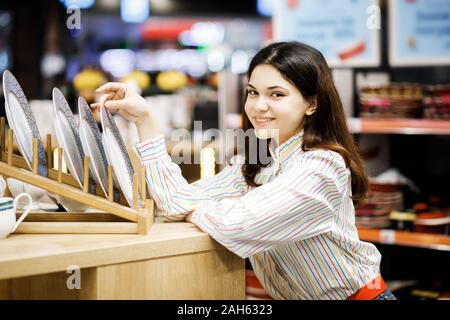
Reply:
x=390 y=61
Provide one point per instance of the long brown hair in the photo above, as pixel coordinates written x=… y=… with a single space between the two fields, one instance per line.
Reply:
x=306 y=68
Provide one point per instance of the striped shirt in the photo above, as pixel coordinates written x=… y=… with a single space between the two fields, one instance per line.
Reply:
x=297 y=228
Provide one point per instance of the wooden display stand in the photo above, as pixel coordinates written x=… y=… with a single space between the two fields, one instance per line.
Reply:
x=116 y=218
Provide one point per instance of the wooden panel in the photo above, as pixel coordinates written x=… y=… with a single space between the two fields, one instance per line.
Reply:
x=52 y=253
x=5 y=288
x=51 y=286
x=215 y=274
x=77 y=228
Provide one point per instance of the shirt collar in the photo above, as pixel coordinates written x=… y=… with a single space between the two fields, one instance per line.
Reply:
x=287 y=148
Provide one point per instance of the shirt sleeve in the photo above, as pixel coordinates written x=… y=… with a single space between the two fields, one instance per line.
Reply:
x=300 y=203
x=174 y=196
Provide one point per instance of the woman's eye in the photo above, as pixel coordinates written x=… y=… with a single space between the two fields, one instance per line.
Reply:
x=251 y=92
x=277 y=94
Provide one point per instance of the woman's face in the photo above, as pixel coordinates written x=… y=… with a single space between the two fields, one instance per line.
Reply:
x=275 y=107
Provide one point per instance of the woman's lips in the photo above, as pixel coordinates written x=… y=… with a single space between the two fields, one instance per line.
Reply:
x=263 y=121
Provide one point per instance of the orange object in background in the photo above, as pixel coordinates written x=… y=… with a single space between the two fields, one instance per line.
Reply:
x=420 y=207
x=351 y=52
x=167 y=29
x=253 y=288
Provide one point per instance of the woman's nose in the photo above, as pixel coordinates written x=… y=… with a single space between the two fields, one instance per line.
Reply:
x=261 y=104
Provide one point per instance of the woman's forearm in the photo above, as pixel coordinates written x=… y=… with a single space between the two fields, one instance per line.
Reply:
x=147 y=128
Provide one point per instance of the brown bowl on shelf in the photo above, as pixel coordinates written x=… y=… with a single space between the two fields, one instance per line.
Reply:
x=433 y=222
x=378 y=187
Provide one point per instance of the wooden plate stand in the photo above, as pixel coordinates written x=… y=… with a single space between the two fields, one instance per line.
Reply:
x=115 y=218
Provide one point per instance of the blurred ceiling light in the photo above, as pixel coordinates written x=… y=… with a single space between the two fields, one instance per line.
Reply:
x=52 y=64
x=177 y=60
x=188 y=58
x=189 y=61
x=265 y=7
x=145 y=60
x=118 y=62
x=134 y=11
x=208 y=33
x=82 y=4
x=216 y=60
x=239 y=62
x=185 y=38
x=203 y=34
x=197 y=68
x=196 y=65
x=163 y=58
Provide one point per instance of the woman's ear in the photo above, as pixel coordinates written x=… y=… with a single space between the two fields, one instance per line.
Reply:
x=312 y=107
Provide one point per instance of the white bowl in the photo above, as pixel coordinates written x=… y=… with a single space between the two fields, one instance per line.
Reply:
x=71 y=205
x=16 y=187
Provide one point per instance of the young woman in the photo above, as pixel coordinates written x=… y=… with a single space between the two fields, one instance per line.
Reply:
x=293 y=217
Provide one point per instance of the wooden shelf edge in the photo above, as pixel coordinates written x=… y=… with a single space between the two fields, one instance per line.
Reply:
x=403 y=238
x=399 y=126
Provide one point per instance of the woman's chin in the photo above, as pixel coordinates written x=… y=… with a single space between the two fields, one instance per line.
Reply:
x=266 y=133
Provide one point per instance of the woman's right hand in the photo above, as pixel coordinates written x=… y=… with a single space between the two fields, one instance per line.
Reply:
x=118 y=97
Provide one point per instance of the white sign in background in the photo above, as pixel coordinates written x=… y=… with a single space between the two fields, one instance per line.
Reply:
x=419 y=32
x=347 y=32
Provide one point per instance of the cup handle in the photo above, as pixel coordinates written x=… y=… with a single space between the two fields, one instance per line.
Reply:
x=2 y=186
x=26 y=211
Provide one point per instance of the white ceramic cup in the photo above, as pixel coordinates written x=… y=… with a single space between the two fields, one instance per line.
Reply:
x=2 y=186
x=8 y=206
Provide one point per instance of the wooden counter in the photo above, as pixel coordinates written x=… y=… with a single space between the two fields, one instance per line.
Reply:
x=175 y=261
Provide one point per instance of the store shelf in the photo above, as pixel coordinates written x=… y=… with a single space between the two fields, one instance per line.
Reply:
x=399 y=126
x=409 y=239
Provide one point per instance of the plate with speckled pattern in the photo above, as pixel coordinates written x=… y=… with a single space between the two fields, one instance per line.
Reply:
x=117 y=154
x=21 y=120
x=91 y=141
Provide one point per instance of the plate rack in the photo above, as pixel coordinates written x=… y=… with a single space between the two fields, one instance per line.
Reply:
x=115 y=217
